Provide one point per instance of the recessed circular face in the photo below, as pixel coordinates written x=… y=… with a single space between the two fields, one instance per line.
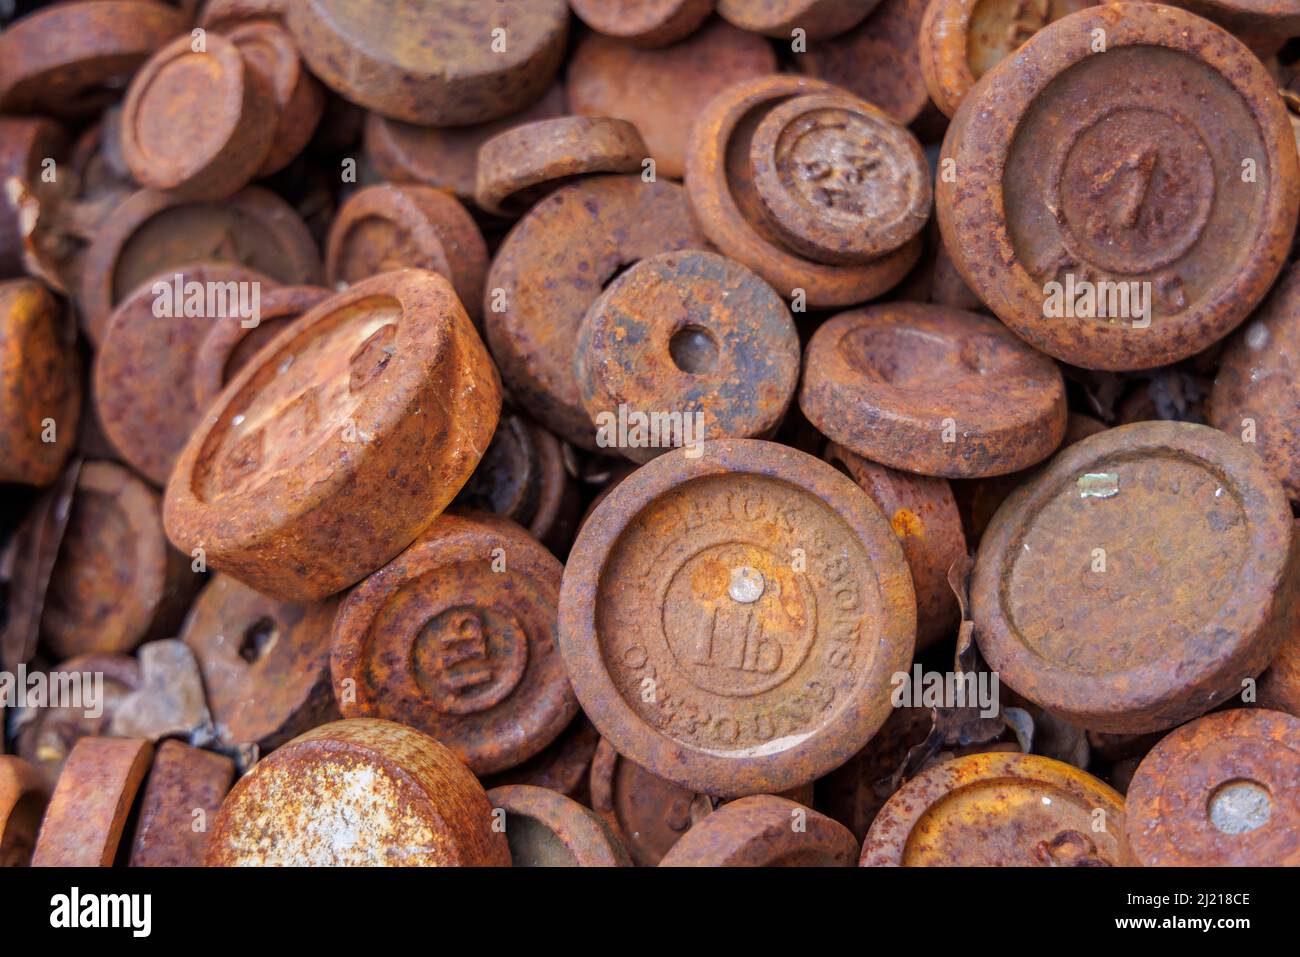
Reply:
x=39 y=383
x=775 y=605
x=1097 y=209
x=287 y=482
x=1255 y=396
x=456 y=637
x=199 y=123
x=646 y=23
x=150 y=233
x=1081 y=595
x=579 y=237
x=696 y=344
x=961 y=40
x=383 y=228
x=433 y=62
x=932 y=390
x=999 y=810
x=518 y=167
x=151 y=346
x=649 y=813
x=359 y=793
x=72 y=60
x=445 y=158
x=887 y=40
x=229 y=346
x=776 y=18
x=838 y=179
x=764 y=831
x=655 y=89
x=545 y=829
x=116 y=577
x=1223 y=791
x=721 y=178
x=265 y=663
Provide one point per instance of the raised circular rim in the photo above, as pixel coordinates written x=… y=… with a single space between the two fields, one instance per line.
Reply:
x=979 y=141
x=870 y=418
x=550 y=151
x=1155 y=841
x=797 y=223
x=1156 y=695
x=887 y=839
x=453 y=540
x=832 y=743
x=220 y=344
x=725 y=837
x=584 y=835
x=248 y=520
x=726 y=227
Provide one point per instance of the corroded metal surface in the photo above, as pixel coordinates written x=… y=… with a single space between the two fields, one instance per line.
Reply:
x=440 y=63
x=359 y=792
x=647 y=23
x=691 y=334
x=546 y=829
x=764 y=831
x=1139 y=579
x=447 y=157
x=299 y=98
x=999 y=810
x=145 y=359
x=90 y=806
x=924 y=516
x=26 y=142
x=720 y=177
x=1104 y=169
x=650 y=814
x=522 y=477
x=932 y=390
x=51 y=733
x=116 y=581
x=229 y=346
x=183 y=793
x=1221 y=791
x=1256 y=397
x=579 y=237
x=658 y=90
x=563 y=766
x=265 y=663
x=518 y=167
x=776 y=603
x=73 y=59
x=23 y=796
x=818 y=19
x=383 y=228
x=198 y=123
x=456 y=637
x=286 y=482
x=40 y=385
x=150 y=233
x=961 y=40
x=837 y=179
x=877 y=60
